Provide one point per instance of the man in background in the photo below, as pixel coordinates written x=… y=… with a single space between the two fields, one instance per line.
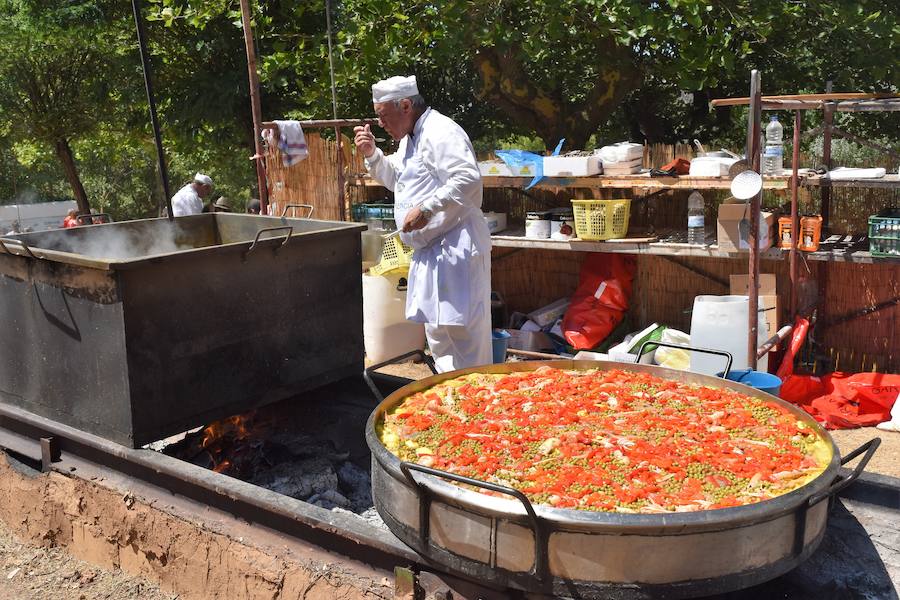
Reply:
x=189 y=199
x=253 y=207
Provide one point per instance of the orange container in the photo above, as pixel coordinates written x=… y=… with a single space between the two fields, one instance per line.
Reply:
x=784 y=233
x=810 y=232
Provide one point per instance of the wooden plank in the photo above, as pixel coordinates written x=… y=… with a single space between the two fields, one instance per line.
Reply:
x=642 y=181
x=807 y=97
x=672 y=249
x=890 y=181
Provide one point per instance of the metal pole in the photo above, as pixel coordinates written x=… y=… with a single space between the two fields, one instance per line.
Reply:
x=755 y=117
x=828 y=121
x=255 y=108
x=154 y=122
x=337 y=129
x=795 y=216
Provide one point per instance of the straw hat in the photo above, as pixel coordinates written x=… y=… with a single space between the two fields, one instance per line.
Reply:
x=222 y=204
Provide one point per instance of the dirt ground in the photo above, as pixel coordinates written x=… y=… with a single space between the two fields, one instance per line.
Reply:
x=886 y=460
x=36 y=573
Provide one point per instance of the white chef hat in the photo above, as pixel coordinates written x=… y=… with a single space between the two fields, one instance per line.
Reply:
x=394 y=88
x=204 y=179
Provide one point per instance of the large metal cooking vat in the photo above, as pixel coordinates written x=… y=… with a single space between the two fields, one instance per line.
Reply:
x=583 y=554
x=142 y=329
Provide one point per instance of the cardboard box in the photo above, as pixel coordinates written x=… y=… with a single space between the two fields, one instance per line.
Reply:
x=533 y=341
x=494 y=168
x=547 y=315
x=728 y=229
x=571 y=166
x=769 y=302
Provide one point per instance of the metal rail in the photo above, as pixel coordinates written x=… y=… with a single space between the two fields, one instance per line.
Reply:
x=52 y=443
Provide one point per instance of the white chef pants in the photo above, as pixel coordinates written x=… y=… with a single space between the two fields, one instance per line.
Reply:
x=461 y=346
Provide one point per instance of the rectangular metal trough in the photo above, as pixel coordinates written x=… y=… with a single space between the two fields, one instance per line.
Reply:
x=139 y=330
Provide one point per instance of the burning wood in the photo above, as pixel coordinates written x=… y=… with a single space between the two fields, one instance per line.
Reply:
x=298 y=464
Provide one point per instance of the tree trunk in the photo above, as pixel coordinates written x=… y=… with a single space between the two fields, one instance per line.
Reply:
x=64 y=152
x=505 y=83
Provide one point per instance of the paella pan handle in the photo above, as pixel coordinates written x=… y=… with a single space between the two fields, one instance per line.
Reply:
x=4 y=241
x=726 y=355
x=367 y=374
x=309 y=206
x=540 y=547
x=289 y=229
x=842 y=482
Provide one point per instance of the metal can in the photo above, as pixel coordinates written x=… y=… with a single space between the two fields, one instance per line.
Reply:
x=537 y=224
x=562 y=224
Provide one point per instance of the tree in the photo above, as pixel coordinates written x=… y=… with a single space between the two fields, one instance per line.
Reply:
x=52 y=84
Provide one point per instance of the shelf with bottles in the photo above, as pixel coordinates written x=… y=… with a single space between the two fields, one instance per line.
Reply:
x=835 y=248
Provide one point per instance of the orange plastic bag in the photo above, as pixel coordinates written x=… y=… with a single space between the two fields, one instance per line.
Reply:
x=600 y=302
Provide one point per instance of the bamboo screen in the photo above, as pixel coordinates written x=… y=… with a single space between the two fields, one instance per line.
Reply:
x=314 y=180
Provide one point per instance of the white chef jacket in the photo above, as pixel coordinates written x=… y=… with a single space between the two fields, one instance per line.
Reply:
x=186 y=202
x=435 y=168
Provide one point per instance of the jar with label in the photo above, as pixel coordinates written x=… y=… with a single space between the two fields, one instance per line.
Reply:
x=562 y=224
x=537 y=224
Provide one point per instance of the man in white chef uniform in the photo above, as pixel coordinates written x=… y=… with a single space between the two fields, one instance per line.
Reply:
x=437 y=205
x=189 y=199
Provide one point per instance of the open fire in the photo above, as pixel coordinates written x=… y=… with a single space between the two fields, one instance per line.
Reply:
x=311 y=451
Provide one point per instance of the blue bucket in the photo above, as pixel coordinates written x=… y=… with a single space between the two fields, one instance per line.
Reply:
x=764 y=382
x=500 y=339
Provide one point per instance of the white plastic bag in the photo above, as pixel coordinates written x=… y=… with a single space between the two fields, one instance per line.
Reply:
x=894 y=423
x=673 y=358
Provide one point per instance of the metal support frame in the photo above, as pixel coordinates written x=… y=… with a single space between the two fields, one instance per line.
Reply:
x=50 y=453
x=829 y=103
x=753 y=150
x=154 y=121
x=795 y=216
x=828 y=124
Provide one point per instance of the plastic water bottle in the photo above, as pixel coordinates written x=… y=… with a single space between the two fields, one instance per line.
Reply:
x=773 y=157
x=696 y=233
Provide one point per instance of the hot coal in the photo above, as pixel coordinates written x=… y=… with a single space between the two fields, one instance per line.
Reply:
x=307 y=449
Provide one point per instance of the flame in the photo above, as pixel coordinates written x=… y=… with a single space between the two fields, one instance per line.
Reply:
x=235 y=429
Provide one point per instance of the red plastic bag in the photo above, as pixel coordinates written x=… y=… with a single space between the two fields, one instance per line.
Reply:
x=600 y=302
x=842 y=401
x=801 y=326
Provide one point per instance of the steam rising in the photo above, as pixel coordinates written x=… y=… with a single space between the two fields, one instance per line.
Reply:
x=114 y=243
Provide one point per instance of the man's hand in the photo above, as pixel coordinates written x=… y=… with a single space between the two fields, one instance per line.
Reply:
x=364 y=140
x=416 y=218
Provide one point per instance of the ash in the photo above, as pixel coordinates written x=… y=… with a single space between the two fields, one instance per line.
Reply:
x=327 y=468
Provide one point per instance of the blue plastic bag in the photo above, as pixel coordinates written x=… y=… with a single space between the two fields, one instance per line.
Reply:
x=516 y=159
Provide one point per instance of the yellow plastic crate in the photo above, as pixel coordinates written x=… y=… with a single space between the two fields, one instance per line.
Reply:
x=395 y=256
x=599 y=220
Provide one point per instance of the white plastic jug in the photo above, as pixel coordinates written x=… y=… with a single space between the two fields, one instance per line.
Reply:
x=720 y=323
x=386 y=332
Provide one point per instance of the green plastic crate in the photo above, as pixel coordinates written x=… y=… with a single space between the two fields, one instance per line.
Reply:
x=884 y=233
x=361 y=212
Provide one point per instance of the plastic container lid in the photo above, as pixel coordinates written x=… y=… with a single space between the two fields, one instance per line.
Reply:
x=538 y=215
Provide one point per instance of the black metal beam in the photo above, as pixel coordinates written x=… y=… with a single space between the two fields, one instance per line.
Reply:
x=154 y=122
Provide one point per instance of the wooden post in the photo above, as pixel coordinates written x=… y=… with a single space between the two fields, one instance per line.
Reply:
x=755 y=118
x=255 y=108
x=795 y=216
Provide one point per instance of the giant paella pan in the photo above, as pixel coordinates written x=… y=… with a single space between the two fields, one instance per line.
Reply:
x=518 y=538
